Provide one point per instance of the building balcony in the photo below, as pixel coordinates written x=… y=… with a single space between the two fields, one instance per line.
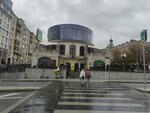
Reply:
x=17 y=52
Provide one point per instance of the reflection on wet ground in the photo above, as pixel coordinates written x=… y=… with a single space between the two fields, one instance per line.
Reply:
x=44 y=101
x=70 y=97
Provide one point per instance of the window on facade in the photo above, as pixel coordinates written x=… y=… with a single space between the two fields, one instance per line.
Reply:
x=6 y=40
x=81 y=51
x=12 y=28
x=3 y=38
x=6 y=33
x=62 y=50
x=1 y=14
x=7 y=26
x=90 y=50
x=72 y=50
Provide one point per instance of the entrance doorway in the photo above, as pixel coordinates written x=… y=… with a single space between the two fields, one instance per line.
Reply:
x=76 y=67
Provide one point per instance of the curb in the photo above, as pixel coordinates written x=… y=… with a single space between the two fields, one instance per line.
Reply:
x=7 y=110
x=143 y=90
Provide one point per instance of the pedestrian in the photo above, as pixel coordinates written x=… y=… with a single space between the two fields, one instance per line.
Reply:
x=60 y=73
x=82 y=76
x=88 y=75
x=56 y=71
x=67 y=71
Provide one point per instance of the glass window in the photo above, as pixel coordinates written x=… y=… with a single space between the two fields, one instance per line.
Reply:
x=6 y=40
x=81 y=51
x=62 y=50
x=71 y=32
x=72 y=50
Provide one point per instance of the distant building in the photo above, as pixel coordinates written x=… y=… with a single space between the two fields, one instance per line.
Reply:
x=71 y=45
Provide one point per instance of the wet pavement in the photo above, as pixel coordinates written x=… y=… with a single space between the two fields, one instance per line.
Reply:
x=99 y=97
x=9 y=98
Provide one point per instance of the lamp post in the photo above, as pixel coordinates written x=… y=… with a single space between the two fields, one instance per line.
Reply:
x=124 y=56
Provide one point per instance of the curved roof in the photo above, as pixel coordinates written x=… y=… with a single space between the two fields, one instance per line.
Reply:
x=70 y=32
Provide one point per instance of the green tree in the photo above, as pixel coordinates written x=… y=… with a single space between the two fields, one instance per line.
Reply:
x=134 y=53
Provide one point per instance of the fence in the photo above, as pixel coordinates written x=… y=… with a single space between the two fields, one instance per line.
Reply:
x=14 y=68
x=42 y=73
x=104 y=75
x=31 y=73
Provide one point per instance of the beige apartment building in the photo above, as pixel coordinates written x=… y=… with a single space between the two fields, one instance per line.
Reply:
x=12 y=40
x=5 y=28
x=24 y=44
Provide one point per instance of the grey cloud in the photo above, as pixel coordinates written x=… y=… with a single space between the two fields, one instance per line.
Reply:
x=123 y=19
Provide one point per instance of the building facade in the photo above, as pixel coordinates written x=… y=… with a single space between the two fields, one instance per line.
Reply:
x=12 y=37
x=5 y=28
x=17 y=42
x=24 y=43
x=71 y=45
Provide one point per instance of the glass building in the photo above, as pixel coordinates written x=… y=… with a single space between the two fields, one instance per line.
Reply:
x=69 y=32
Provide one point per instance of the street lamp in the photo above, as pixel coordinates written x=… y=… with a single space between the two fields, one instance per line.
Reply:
x=124 y=56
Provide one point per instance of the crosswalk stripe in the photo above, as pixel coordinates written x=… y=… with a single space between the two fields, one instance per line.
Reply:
x=102 y=98
x=100 y=104
x=94 y=89
x=90 y=86
x=84 y=93
x=91 y=111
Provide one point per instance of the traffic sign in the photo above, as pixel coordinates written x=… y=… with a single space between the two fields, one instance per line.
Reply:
x=39 y=35
x=144 y=36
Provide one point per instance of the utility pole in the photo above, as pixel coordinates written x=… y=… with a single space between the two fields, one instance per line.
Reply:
x=144 y=65
x=39 y=39
x=143 y=40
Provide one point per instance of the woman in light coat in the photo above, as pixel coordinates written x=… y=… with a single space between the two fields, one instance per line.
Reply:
x=82 y=76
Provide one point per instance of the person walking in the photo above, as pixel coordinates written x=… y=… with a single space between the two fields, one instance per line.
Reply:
x=88 y=75
x=56 y=71
x=82 y=76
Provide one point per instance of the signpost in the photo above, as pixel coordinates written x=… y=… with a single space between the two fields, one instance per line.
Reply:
x=143 y=40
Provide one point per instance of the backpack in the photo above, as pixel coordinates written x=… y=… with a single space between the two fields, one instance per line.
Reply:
x=88 y=74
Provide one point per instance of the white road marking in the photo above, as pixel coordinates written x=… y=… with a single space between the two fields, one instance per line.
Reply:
x=91 y=111
x=84 y=93
x=86 y=90
x=99 y=89
x=101 y=98
x=100 y=104
x=8 y=98
x=11 y=94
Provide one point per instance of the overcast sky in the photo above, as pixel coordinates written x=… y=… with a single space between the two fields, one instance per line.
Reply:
x=123 y=19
